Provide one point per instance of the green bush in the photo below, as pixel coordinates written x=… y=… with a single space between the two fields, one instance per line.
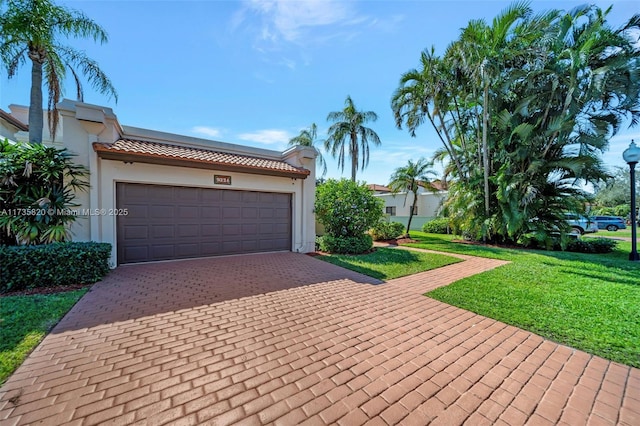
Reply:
x=592 y=245
x=437 y=226
x=571 y=243
x=345 y=245
x=38 y=186
x=347 y=208
x=56 y=264
x=386 y=231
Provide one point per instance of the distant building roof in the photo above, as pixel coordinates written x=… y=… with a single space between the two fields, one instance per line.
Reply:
x=13 y=121
x=378 y=188
x=176 y=155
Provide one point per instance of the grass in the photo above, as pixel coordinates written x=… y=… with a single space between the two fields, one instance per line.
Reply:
x=621 y=233
x=25 y=320
x=389 y=263
x=588 y=301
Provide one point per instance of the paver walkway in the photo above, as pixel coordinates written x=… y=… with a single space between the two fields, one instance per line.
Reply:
x=288 y=339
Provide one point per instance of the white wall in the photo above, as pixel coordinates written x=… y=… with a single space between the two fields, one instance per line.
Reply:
x=429 y=203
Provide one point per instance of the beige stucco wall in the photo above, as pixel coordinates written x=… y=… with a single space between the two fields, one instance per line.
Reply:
x=83 y=124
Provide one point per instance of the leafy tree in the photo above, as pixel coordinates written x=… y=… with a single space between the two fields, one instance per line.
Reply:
x=347 y=210
x=349 y=137
x=531 y=100
x=616 y=190
x=35 y=29
x=37 y=189
x=308 y=137
x=409 y=178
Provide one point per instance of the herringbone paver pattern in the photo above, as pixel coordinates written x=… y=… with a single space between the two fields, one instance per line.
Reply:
x=287 y=339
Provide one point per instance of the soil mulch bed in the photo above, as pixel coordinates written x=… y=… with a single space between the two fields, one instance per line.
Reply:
x=45 y=290
x=399 y=241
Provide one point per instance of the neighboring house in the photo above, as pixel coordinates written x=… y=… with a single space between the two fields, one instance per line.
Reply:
x=161 y=196
x=397 y=206
x=10 y=125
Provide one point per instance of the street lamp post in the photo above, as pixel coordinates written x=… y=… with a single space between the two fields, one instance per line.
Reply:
x=632 y=155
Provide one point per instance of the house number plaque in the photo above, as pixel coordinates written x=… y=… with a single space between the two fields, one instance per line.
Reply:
x=221 y=180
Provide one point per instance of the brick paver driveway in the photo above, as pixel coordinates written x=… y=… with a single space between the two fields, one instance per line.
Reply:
x=287 y=339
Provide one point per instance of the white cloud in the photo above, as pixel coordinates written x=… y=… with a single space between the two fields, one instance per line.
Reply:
x=266 y=136
x=211 y=132
x=289 y=18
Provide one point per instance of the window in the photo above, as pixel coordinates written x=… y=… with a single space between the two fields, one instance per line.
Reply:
x=391 y=211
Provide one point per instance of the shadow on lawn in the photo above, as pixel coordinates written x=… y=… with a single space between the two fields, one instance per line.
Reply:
x=379 y=257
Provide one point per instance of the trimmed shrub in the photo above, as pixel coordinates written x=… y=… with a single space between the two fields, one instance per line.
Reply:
x=592 y=245
x=571 y=243
x=386 y=231
x=347 y=208
x=437 y=226
x=56 y=264
x=345 y=245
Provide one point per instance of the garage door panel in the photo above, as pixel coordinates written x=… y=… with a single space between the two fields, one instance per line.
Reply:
x=187 y=250
x=188 y=212
x=158 y=211
x=249 y=229
x=231 y=247
x=281 y=213
x=162 y=231
x=137 y=253
x=212 y=230
x=231 y=212
x=207 y=212
x=167 y=222
x=161 y=251
x=232 y=196
x=187 y=230
x=136 y=232
x=250 y=212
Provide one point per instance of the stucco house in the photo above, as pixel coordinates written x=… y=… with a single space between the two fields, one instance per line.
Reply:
x=398 y=206
x=161 y=196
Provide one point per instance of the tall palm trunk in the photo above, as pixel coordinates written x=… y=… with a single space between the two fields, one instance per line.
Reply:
x=485 y=148
x=354 y=156
x=413 y=208
x=36 y=112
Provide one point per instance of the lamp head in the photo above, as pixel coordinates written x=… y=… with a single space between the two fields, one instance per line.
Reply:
x=632 y=154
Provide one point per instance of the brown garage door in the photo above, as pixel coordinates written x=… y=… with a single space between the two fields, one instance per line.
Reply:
x=174 y=222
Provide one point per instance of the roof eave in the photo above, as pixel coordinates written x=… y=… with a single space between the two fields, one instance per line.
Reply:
x=108 y=154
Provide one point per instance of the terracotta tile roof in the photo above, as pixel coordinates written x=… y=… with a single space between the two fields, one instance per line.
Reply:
x=378 y=188
x=13 y=121
x=160 y=153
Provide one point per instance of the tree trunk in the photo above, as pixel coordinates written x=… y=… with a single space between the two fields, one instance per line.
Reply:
x=354 y=156
x=413 y=207
x=36 y=112
x=485 y=148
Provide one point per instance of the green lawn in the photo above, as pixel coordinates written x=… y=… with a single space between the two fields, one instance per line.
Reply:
x=25 y=320
x=621 y=233
x=389 y=263
x=588 y=301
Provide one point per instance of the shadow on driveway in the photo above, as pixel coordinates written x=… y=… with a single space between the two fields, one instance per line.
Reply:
x=135 y=291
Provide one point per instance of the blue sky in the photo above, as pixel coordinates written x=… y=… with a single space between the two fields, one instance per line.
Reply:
x=257 y=72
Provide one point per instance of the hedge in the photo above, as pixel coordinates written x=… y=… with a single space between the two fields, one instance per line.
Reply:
x=386 y=231
x=56 y=264
x=345 y=245
x=437 y=226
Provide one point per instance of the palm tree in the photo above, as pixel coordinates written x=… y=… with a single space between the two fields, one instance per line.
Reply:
x=409 y=178
x=349 y=126
x=33 y=29
x=308 y=137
